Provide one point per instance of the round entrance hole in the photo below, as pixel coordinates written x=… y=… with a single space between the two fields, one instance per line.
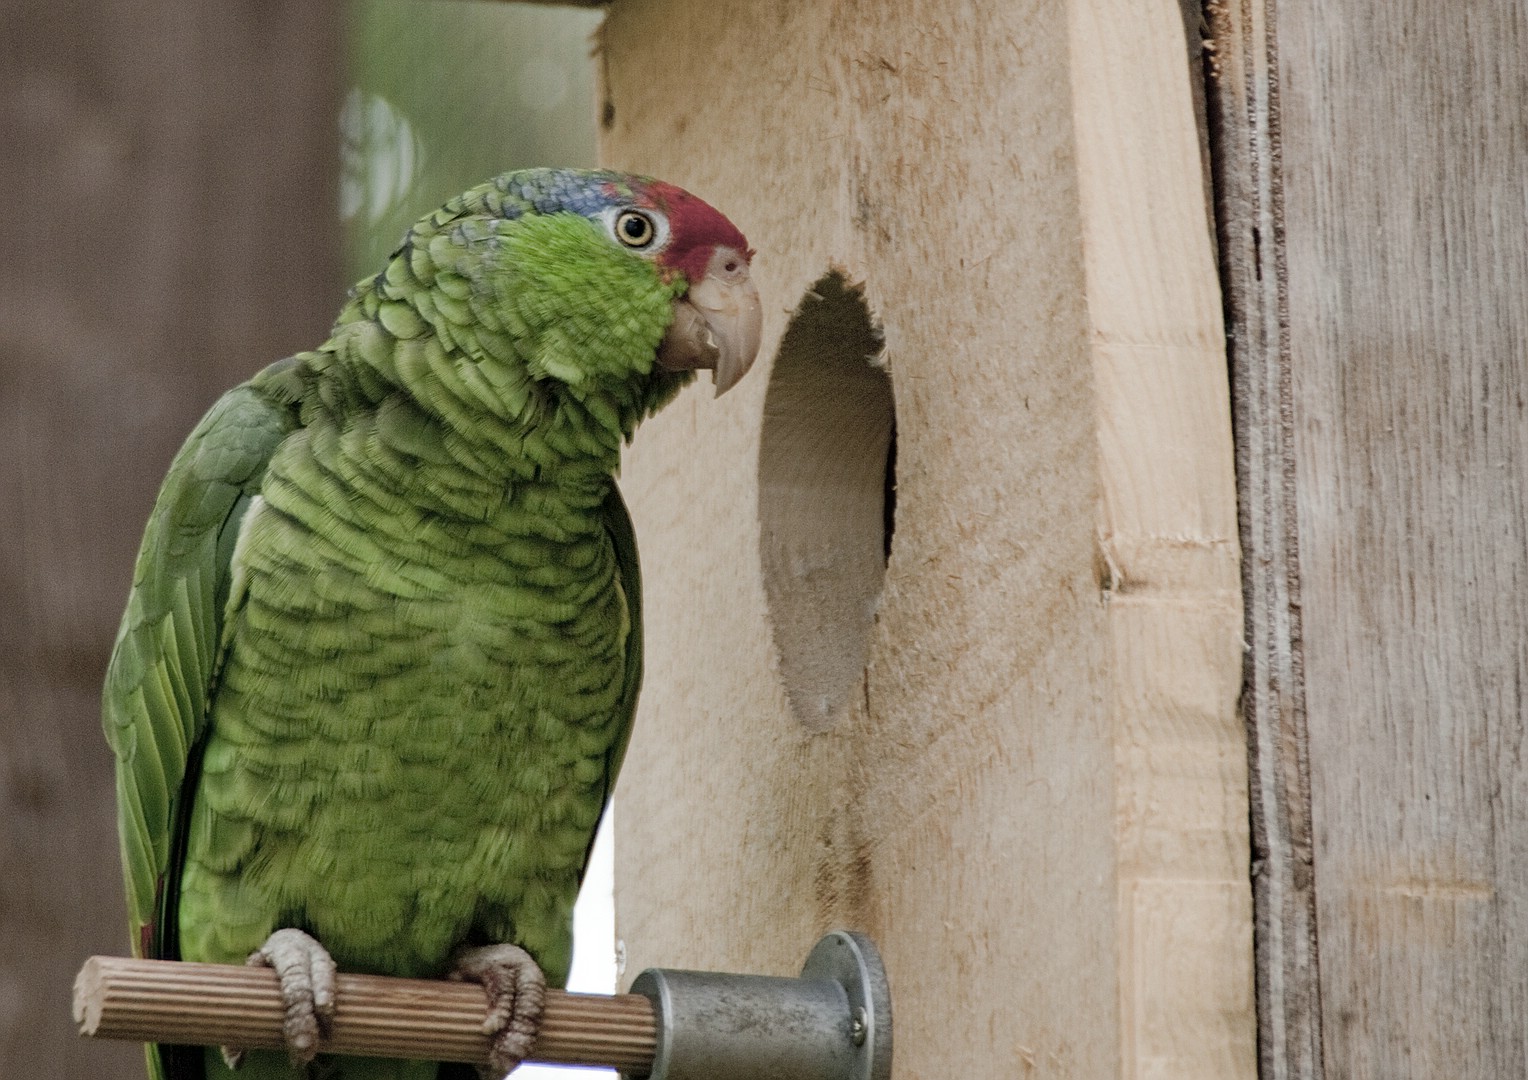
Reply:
x=826 y=497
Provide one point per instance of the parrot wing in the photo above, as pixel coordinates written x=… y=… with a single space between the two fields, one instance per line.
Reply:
x=163 y=668
x=629 y=577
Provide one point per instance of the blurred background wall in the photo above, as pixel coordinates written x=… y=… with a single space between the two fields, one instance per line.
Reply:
x=180 y=179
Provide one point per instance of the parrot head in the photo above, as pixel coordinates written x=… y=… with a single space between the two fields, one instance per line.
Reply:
x=597 y=287
x=717 y=322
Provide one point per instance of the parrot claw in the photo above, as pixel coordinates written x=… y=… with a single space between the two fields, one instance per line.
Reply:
x=516 y=989
x=306 y=972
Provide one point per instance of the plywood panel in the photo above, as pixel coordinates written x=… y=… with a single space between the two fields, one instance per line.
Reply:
x=1037 y=804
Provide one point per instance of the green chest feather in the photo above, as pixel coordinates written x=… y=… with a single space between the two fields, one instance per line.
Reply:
x=414 y=721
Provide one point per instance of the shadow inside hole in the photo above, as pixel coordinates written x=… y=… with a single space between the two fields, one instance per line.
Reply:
x=827 y=461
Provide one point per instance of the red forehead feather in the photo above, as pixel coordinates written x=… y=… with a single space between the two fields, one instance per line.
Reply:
x=695 y=229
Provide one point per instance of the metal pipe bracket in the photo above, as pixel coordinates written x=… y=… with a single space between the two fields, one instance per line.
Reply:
x=831 y=1023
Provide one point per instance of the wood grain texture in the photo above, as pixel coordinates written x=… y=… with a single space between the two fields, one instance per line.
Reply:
x=1167 y=530
x=1371 y=194
x=1037 y=804
x=170 y=1001
x=170 y=171
x=1405 y=143
x=1248 y=180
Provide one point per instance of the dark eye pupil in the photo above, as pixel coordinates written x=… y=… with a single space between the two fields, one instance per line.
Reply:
x=636 y=227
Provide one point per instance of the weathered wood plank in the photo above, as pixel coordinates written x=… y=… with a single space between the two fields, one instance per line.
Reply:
x=1370 y=171
x=1244 y=120
x=1405 y=146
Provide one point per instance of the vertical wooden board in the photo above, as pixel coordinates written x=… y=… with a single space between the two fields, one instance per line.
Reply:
x=1405 y=143
x=963 y=813
x=967 y=811
x=1167 y=529
x=711 y=702
x=171 y=174
x=988 y=693
x=1243 y=109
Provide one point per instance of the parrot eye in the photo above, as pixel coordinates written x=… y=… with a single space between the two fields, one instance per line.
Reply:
x=635 y=229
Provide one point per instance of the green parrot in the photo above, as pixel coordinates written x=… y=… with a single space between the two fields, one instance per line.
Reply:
x=383 y=645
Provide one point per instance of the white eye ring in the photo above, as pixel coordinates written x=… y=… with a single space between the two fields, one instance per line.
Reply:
x=641 y=230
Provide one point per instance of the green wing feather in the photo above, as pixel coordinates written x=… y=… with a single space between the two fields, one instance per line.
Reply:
x=623 y=536
x=160 y=678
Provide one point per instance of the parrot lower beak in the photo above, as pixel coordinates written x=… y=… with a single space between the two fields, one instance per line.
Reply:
x=717 y=324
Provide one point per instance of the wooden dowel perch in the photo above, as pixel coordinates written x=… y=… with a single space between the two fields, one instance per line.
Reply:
x=224 y=1005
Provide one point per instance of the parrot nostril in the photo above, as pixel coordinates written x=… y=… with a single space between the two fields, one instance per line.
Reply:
x=727 y=264
x=826 y=497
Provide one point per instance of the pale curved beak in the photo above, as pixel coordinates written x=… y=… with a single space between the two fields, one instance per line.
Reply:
x=717 y=324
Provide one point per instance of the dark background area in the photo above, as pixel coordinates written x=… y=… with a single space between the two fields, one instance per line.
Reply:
x=190 y=188
x=169 y=171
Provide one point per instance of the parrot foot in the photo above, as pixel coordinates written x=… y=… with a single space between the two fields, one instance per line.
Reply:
x=516 y=990
x=305 y=971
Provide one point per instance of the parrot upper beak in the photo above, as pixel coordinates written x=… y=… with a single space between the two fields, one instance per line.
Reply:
x=717 y=324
